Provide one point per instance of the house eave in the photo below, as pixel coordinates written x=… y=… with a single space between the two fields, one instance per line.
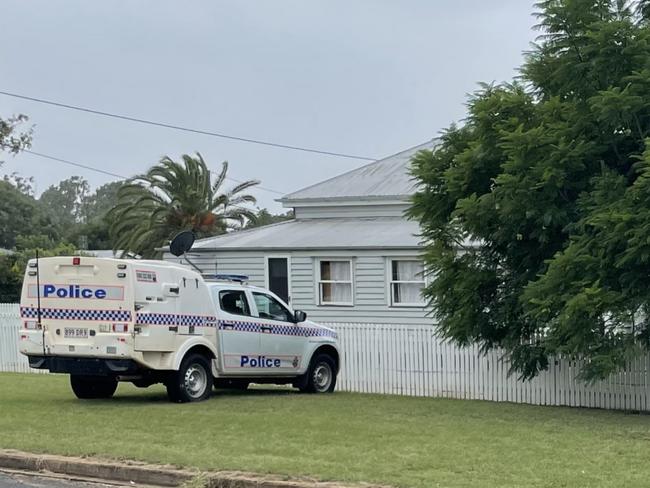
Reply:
x=299 y=249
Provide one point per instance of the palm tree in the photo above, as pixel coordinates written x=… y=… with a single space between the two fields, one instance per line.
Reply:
x=172 y=197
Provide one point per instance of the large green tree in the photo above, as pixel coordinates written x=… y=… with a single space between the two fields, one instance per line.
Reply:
x=94 y=232
x=175 y=196
x=66 y=201
x=536 y=211
x=20 y=215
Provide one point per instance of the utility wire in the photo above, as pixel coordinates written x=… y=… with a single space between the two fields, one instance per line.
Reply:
x=184 y=129
x=91 y=168
x=71 y=163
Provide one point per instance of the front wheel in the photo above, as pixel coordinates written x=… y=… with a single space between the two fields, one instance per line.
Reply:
x=321 y=377
x=92 y=387
x=192 y=382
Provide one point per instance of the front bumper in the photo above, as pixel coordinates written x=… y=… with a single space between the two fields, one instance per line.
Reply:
x=85 y=366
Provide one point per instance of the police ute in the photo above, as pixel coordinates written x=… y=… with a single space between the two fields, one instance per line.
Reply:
x=103 y=321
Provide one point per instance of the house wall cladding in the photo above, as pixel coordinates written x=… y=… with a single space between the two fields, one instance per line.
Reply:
x=369 y=277
x=411 y=360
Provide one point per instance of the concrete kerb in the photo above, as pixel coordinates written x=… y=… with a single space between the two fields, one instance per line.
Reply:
x=134 y=473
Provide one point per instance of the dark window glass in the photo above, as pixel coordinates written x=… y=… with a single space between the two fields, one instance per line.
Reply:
x=234 y=302
x=279 y=277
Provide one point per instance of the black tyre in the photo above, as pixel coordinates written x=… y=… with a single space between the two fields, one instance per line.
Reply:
x=92 y=387
x=232 y=384
x=321 y=376
x=192 y=382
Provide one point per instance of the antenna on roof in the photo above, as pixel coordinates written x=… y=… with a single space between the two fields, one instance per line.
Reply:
x=181 y=243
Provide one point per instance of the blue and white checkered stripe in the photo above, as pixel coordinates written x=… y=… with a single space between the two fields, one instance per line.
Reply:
x=171 y=319
x=197 y=320
x=76 y=314
x=287 y=330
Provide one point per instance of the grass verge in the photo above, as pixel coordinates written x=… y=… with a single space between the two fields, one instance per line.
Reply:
x=406 y=442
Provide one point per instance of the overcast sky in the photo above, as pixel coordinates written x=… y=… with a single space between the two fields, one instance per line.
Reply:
x=365 y=77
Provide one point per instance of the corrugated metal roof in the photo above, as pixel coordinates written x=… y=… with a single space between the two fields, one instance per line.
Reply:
x=339 y=233
x=388 y=177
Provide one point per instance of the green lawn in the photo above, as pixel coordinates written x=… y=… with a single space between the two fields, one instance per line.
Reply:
x=409 y=442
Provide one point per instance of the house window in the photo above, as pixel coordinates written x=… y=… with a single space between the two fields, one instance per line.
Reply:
x=406 y=283
x=335 y=282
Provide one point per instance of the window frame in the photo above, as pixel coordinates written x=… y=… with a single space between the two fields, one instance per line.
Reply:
x=219 y=291
x=277 y=299
x=267 y=274
x=320 y=282
x=390 y=282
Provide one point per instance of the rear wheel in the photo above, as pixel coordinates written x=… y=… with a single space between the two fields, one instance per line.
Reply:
x=321 y=377
x=91 y=387
x=192 y=382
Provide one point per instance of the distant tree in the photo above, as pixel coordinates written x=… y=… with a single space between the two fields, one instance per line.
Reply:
x=174 y=196
x=23 y=184
x=20 y=214
x=99 y=203
x=264 y=217
x=94 y=233
x=12 y=141
x=66 y=201
x=536 y=212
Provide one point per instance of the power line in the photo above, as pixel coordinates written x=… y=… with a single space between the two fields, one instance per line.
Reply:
x=91 y=168
x=71 y=163
x=184 y=129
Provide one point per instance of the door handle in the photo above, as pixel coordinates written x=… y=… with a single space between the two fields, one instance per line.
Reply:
x=228 y=324
x=266 y=328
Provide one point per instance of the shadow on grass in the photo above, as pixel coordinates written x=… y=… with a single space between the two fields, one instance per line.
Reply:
x=145 y=396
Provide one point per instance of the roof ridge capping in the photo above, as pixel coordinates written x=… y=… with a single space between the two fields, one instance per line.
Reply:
x=376 y=179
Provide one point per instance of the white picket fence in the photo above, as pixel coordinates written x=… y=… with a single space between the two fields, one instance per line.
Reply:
x=411 y=360
x=10 y=359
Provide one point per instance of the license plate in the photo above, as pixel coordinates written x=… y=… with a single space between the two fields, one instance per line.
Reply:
x=77 y=332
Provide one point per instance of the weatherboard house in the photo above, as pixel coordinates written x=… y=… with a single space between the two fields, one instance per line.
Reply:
x=349 y=256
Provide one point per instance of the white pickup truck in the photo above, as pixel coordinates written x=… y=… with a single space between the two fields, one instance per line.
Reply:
x=108 y=320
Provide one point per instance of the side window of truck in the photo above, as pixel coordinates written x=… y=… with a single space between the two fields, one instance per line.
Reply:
x=269 y=308
x=234 y=302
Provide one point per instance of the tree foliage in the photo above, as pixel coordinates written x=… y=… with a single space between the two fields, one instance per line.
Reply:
x=94 y=232
x=264 y=217
x=12 y=140
x=66 y=201
x=536 y=211
x=20 y=215
x=172 y=197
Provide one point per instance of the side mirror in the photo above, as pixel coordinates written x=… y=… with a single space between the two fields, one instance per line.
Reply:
x=299 y=316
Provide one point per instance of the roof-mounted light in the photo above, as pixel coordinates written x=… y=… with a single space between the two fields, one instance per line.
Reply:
x=231 y=277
